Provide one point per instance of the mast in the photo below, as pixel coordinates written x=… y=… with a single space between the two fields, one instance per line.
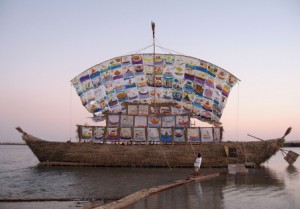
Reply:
x=154 y=83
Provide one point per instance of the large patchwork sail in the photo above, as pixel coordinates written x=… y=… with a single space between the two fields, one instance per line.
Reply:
x=195 y=86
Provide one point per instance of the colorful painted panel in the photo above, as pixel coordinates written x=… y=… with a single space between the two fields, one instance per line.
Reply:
x=126 y=133
x=140 y=121
x=182 y=121
x=139 y=134
x=193 y=135
x=86 y=133
x=154 y=121
x=153 y=134
x=127 y=120
x=206 y=134
x=197 y=86
x=143 y=110
x=99 y=134
x=165 y=110
x=113 y=121
x=217 y=134
x=179 y=135
x=166 y=134
x=132 y=109
x=168 y=121
x=112 y=134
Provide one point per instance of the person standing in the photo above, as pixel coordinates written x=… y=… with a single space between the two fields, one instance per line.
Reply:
x=197 y=164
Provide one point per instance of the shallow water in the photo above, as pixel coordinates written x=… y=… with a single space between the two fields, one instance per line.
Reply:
x=275 y=185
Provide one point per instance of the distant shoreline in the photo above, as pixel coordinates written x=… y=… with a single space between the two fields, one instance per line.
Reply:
x=286 y=144
x=12 y=143
x=291 y=144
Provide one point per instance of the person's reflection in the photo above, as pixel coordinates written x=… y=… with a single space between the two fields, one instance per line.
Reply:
x=198 y=189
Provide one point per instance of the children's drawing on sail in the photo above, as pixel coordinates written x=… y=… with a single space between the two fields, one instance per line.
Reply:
x=139 y=134
x=143 y=93
x=95 y=76
x=153 y=134
x=193 y=135
x=132 y=93
x=166 y=134
x=168 y=121
x=126 y=121
x=206 y=134
x=128 y=72
x=126 y=61
x=179 y=135
x=138 y=69
x=140 y=121
x=86 y=81
x=113 y=120
x=118 y=73
x=112 y=134
x=154 y=121
x=130 y=83
x=126 y=133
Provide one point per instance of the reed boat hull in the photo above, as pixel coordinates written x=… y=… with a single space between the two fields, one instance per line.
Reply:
x=215 y=154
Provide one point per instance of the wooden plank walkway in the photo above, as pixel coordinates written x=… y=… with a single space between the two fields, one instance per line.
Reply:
x=130 y=199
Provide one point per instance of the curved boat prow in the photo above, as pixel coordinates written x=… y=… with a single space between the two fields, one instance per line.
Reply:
x=21 y=131
x=26 y=137
x=287 y=132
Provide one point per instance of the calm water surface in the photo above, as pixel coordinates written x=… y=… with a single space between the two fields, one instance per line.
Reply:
x=274 y=185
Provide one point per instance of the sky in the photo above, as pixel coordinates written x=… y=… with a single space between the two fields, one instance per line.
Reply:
x=44 y=44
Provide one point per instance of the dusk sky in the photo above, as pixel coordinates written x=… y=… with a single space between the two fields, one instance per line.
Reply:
x=44 y=44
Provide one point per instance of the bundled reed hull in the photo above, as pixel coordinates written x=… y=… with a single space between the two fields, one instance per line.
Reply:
x=215 y=154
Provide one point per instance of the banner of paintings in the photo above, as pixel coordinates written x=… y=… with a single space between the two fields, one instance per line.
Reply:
x=99 y=134
x=166 y=134
x=193 y=135
x=154 y=121
x=112 y=134
x=86 y=133
x=168 y=121
x=206 y=134
x=126 y=133
x=139 y=134
x=140 y=121
x=179 y=135
x=113 y=121
x=126 y=121
x=153 y=134
x=197 y=86
x=217 y=134
x=182 y=121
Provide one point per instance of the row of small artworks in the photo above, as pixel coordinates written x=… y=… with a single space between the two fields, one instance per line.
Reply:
x=192 y=134
x=148 y=121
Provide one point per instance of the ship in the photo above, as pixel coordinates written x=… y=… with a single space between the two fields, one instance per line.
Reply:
x=147 y=101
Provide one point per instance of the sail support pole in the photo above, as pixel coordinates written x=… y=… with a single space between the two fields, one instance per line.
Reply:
x=154 y=83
